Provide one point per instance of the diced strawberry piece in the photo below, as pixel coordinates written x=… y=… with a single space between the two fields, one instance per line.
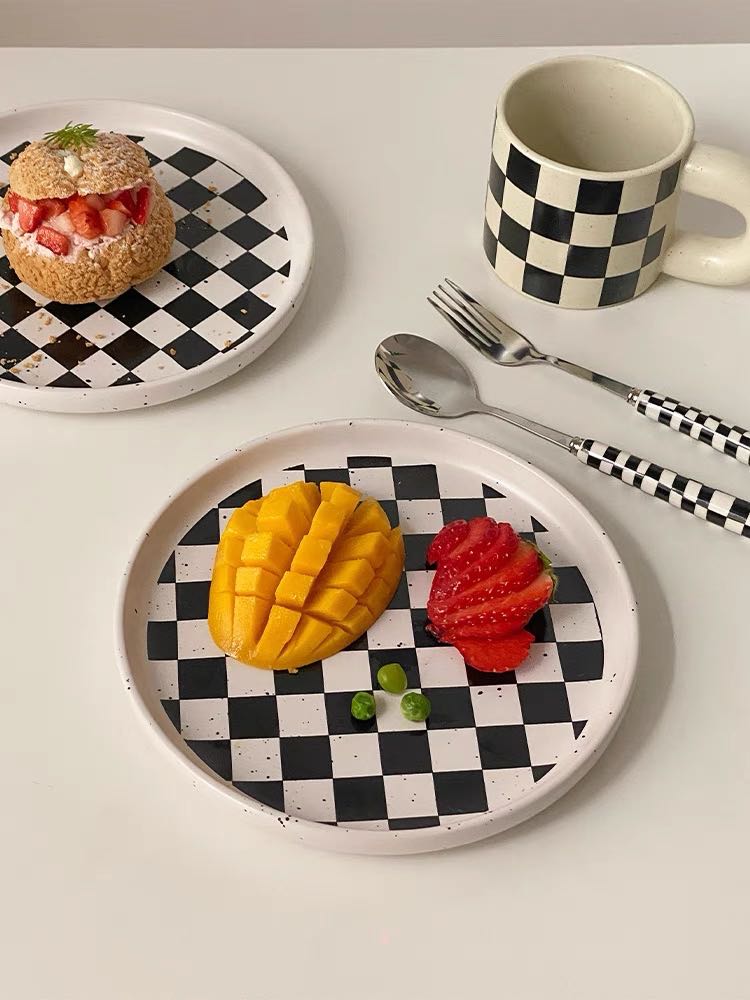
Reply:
x=482 y=532
x=119 y=205
x=52 y=207
x=96 y=201
x=13 y=199
x=142 y=205
x=30 y=215
x=113 y=222
x=496 y=657
x=446 y=540
x=493 y=617
x=63 y=223
x=127 y=200
x=515 y=573
x=52 y=239
x=85 y=219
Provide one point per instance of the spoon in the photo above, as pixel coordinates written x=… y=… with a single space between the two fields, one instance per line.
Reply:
x=432 y=381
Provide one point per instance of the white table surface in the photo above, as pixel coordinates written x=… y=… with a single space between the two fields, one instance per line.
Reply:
x=124 y=878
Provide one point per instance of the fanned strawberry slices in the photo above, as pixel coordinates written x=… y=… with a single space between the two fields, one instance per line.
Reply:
x=488 y=584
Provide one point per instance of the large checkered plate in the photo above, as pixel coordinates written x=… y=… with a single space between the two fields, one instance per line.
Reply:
x=496 y=749
x=238 y=270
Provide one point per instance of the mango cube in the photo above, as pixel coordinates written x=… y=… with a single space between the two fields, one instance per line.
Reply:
x=224 y=578
x=354 y=576
x=278 y=631
x=243 y=521
x=250 y=616
x=229 y=550
x=373 y=547
x=309 y=634
x=328 y=521
x=254 y=581
x=331 y=604
x=311 y=555
x=369 y=516
x=340 y=495
x=284 y=517
x=293 y=590
x=267 y=550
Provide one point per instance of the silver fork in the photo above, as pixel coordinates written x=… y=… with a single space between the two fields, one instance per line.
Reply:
x=498 y=341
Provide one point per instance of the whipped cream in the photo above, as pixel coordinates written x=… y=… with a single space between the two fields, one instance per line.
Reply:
x=78 y=244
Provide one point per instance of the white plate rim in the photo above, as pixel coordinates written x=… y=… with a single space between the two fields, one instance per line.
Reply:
x=411 y=841
x=220 y=366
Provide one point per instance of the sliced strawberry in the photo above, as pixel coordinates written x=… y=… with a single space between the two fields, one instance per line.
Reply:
x=12 y=201
x=496 y=657
x=515 y=573
x=482 y=532
x=118 y=204
x=52 y=239
x=86 y=220
x=30 y=214
x=52 y=207
x=113 y=222
x=96 y=201
x=446 y=540
x=127 y=200
x=487 y=564
x=493 y=618
x=142 y=205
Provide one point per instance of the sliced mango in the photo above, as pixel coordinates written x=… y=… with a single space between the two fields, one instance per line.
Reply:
x=301 y=573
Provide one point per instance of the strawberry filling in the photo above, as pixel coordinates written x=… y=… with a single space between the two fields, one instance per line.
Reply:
x=57 y=220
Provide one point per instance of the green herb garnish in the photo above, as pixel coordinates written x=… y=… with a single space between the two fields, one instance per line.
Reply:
x=72 y=136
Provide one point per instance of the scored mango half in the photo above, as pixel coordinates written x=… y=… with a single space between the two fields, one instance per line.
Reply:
x=301 y=573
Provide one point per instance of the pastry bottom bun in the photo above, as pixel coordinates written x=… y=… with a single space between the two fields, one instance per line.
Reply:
x=126 y=261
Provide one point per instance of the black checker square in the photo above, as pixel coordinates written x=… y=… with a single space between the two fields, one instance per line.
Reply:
x=668 y=181
x=463 y=509
x=7 y=273
x=172 y=711
x=309 y=680
x=248 y=269
x=581 y=661
x=190 y=350
x=68 y=381
x=169 y=571
x=497 y=181
x=129 y=378
x=541 y=626
x=415 y=547
x=413 y=822
x=451 y=707
x=202 y=678
x=70 y=349
x=256 y=717
x=587 y=262
x=70 y=314
x=217 y=754
x=339 y=715
x=544 y=701
x=131 y=307
x=459 y=792
x=305 y=758
x=10 y=156
x=130 y=349
x=416 y=482
x=423 y=638
x=247 y=232
x=503 y=746
x=406 y=657
x=653 y=247
x=245 y=196
x=205 y=531
x=190 y=195
x=489 y=242
x=253 y=491
x=571 y=586
x=249 y=310
x=270 y=793
x=522 y=171
x=553 y=222
x=161 y=640
x=191 y=268
x=16 y=306
x=513 y=236
x=400 y=600
x=192 y=600
x=599 y=197
x=190 y=308
x=190 y=161
x=405 y=753
x=192 y=231
x=327 y=476
x=619 y=288
x=631 y=227
x=359 y=799
x=542 y=284
x=14 y=348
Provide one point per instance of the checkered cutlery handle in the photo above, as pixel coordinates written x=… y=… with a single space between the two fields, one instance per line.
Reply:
x=687 y=494
x=727 y=438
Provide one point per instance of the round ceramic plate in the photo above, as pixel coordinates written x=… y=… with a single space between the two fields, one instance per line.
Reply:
x=238 y=269
x=496 y=749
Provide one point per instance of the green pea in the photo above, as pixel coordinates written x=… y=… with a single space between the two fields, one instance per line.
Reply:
x=363 y=706
x=415 y=706
x=392 y=678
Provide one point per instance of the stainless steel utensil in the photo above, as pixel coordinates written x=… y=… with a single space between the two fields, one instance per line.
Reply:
x=430 y=380
x=499 y=342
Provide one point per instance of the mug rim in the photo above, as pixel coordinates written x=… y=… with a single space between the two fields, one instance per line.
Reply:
x=686 y=114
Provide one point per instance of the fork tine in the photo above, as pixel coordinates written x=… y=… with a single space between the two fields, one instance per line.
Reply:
x=473 y=311
x=466 y=315
x=494 y=327
x=458 y=326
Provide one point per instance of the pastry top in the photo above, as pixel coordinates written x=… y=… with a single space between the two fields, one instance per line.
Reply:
x=112 y=162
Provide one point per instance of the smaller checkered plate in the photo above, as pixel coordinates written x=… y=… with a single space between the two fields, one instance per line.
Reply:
x=496 y=748
x=237 y=271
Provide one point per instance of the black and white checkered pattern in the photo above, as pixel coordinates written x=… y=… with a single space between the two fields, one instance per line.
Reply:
x=696 y=498
x=575 y=242
x=727 y=438
x=225 y=275
x=289 y=741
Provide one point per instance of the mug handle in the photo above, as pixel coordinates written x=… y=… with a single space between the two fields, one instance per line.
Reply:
x=720 y=174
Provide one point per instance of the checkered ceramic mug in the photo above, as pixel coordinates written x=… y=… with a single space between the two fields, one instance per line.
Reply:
x=588 y=157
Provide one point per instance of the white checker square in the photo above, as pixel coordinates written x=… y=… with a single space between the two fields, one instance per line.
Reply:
x=664 y=216
x=392 y=630
x=496 y=705
x=169 y=177
x=219 y=289
x=390 y=719
x=177 y=250
x=219 y=250
x=218 y=213
x=158 y=366
x=503 y=784
x=218 y=176
x=375 y=482
x=584 y=698
x=556 y=547
x=220 y=330
x=592 y=230
x=454 y=749
x=550 y=741
x=420 y=517
x=456 y=483
x=558 y=188
x=99 y=370
x=492 y=213
x=542 y=664
x=366 y=824
x=194 y=640
x=355 y=755
x=348 y=670
x=500 y=149
x=575 y=622
x=271 y=289
x=419 y=582
x=409 y=795
x=639 y=192
x=312 y=798
x=268 y=215
x=649 y=274
x=441 y=666
x=581 y=293
x=625 y=258
x=165 y=679
x=163 y=287
x=40 y=327
x=32 y=293
x=248 y=682
x=163 y=607
x=511 y=510
x=101 y=328
x=204 y=718
x=551 y=255
x=160 y=328
x=40 y=369
x=194 y=563
x=517 y=204
x=256 y=760
x=178 y=211
x=273 y=251
x=302 y=715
